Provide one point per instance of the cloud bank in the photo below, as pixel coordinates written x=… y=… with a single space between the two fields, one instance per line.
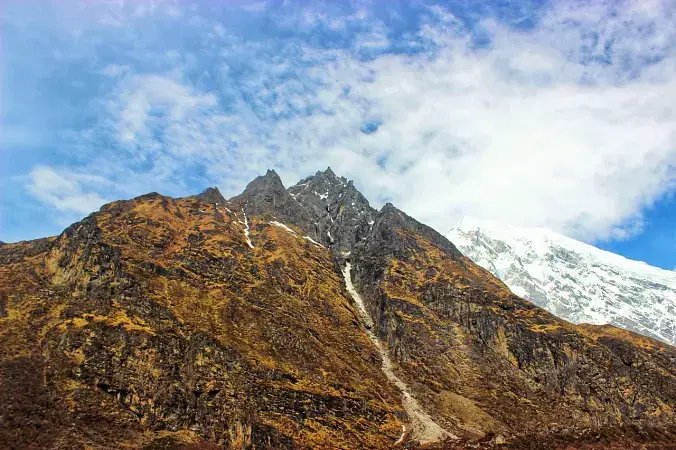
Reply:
x=560 y=117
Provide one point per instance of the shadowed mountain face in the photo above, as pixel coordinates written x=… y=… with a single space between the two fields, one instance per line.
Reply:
x=199 y=322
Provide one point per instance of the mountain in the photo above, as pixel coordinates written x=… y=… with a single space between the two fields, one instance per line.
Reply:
x=300 y=319
x=154 y=323
x=573 y=280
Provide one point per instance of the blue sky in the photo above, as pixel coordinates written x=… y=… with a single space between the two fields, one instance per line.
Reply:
x=556 y=114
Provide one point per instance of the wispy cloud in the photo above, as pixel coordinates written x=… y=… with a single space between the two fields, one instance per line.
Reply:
x=66 y=192
x=145 y=104
x=567 y=122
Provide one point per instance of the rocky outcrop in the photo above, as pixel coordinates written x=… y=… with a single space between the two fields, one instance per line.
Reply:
x=267 y=197
x=212 y=195
x=342 y=214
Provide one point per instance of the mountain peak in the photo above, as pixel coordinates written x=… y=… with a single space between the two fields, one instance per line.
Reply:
x=388 y=207
x=342 y=214
x=266 y=195
x=211 y=195
x=268 y=181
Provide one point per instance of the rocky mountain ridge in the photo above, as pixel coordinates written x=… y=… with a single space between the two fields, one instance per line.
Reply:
x=300 y=318
x=573 y=280
x=343 y=215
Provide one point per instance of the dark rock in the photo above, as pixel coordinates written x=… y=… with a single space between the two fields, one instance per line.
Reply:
x=342 y=214
x=266 y=196
x=211 y=195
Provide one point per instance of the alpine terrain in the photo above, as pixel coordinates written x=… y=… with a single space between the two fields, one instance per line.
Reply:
x=301 y=318
x=573 y=280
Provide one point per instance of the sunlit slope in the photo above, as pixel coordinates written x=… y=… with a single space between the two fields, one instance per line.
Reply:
x=154 y=319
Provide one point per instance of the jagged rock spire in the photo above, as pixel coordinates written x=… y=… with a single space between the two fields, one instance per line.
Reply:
x=342 y=214
x=267 y=196
x=263 y=192
x=211 y=195
x=268 y=182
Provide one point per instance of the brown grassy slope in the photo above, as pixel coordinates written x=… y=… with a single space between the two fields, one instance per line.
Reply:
x=152 y=323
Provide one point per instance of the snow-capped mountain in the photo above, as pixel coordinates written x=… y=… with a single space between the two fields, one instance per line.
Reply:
x=573 y=280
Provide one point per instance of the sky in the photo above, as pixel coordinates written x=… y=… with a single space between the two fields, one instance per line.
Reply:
x=559 y=114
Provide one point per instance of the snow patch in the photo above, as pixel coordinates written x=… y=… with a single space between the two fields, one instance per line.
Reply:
x=312 y=240
x=521 y=292
x=424 y=429
x=281 y=225
x=403 y=434
x=246 y=229
x=573 y=280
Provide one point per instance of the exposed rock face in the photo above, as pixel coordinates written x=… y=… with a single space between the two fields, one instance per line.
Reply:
x=573 y=280
x=212 y=195
x=342 y=214
x=163 y=323
x=267 y=197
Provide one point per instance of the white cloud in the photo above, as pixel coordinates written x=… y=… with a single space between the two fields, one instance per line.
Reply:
x=570 y=125
x=67 y=192
x=510 y=132
x=147 y=101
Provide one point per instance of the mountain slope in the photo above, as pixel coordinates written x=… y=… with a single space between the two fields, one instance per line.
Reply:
x=201 y=323
x=153 y=321
x=485 y=361
x=573 y=280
